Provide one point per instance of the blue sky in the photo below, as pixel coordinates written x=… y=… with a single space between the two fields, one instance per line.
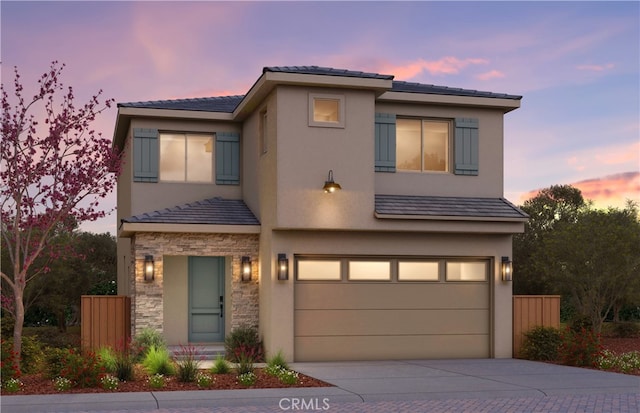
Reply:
x=577 y=64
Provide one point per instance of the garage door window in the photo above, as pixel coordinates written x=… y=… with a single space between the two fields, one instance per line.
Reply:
x=319 y=270
x=369 y=270
x=418 y=271
x=467 y=271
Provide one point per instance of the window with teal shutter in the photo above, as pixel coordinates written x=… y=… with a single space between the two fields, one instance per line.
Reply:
x=145 y=155
x=466 y=146
x=385 y=125
x=227 y=158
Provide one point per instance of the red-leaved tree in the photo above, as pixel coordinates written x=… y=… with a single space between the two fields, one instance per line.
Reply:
x=54 y=172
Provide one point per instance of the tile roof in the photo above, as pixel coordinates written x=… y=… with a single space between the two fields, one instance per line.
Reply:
x=447 y=206
x=227 y=104
x=328 y=71
x=212 y=104
x=213 y=211
x=444 y=90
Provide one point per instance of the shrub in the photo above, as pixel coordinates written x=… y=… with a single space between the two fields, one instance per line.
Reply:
x=244 y=340
x=158 y=361
x=8 y=361
x=247 y=379
x=626 y=329
x=541 y=343
x=83 y=369
x=54 y=361
x=288 y=376
x=146 y=339
x=581 y=322
x=157 y=381
x=203 y=380
x=124 y=361
x=625 y=363
x=32 y=355
x=278 y=360
x=220 y=366
x=12 y=385
x=273 y=370
x=62 y=384
x=245 y=363
x=580 y=349
x=107 y=359
x=109 y=382
x=188 y=362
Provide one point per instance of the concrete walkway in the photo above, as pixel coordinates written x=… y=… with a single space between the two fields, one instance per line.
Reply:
x=379 y=386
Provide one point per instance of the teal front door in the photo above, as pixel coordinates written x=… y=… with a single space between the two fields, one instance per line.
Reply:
x=206 y=299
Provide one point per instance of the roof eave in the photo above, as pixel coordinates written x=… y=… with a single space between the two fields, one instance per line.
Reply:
x=128 y=229
x=507 y=105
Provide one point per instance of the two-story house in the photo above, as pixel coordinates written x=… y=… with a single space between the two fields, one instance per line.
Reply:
x=346 y=215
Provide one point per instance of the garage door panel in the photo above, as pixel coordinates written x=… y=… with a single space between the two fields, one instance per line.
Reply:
x=389 y=348
x=354 y=295
x=390 y=322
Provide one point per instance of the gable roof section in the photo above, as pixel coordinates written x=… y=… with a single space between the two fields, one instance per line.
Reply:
x=440 y=207
x=227 y=104
x=213 y=211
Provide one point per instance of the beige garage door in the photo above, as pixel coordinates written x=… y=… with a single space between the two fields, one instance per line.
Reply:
x=354 y=319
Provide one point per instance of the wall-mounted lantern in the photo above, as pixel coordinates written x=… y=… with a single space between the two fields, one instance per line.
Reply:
x=245 y=267
x=507 y=269
x=283 y=267
x=149 y=268
x=330 y=185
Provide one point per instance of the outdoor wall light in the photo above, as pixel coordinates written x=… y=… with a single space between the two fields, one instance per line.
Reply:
x=283 y=267
x=246 y=269
x=330 y=185
x=148 y=268
x=507 y=269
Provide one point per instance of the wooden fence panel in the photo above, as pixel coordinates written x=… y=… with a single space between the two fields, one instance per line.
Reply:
x=105 y=320
x=530 y=311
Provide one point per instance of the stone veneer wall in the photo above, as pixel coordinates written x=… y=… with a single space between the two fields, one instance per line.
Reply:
x=146 y=298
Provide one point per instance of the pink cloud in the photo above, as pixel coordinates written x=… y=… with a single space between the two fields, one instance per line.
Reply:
x=607 y=191
x=493 y=74
x=444 y=66
x=596 y=68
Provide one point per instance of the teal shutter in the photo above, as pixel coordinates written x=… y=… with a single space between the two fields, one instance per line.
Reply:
x=385 y=142
x=227 y=158
x=145 y=155
x=466 y=146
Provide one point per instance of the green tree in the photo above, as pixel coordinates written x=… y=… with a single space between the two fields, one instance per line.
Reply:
x=89 y=267
x=552 y=206
x=595 y=261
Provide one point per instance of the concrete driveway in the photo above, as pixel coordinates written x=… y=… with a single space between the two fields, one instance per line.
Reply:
x=475 y=378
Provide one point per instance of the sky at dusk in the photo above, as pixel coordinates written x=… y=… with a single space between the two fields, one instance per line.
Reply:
x=576 y=64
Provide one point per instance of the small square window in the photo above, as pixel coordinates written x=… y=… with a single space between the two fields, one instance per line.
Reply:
x=326 y=110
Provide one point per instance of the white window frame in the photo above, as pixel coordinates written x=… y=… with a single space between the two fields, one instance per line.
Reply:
x=340 y=99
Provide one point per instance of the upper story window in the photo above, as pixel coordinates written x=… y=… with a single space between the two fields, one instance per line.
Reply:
x=326 y=110
x=186 y=158
x=433 y=145
x=422 y=145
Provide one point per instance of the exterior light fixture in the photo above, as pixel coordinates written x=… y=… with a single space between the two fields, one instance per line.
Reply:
x=148 y=268
x=507 y=269
x=283 y=267
x=246 y=269
x=330 y=185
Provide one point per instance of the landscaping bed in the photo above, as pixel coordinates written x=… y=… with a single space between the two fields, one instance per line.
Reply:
x=38 y=384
